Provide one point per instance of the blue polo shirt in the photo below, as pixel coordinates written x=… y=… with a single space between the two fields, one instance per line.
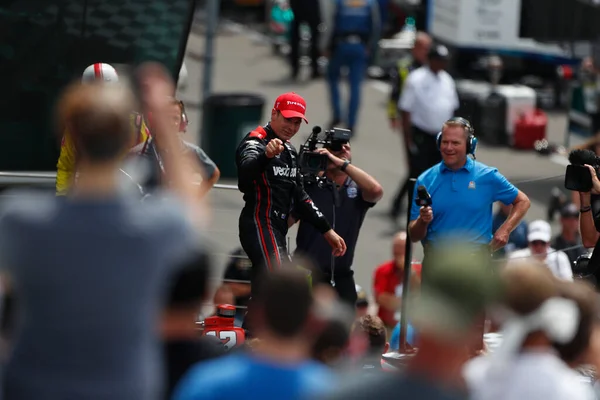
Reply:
x=462 y=201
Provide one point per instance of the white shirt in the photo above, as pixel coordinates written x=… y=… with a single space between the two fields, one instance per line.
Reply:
x=530 y=376
x=429 y=98
x=557 y=261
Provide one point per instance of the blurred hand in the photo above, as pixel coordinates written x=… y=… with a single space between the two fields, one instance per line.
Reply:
x=274 y=147
x=426 y=214
x=500 y=239
x=336 y=242
x=595 y=181
x=157 y=87
x=394 y=124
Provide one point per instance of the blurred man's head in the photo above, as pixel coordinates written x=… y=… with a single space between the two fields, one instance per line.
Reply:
x=287 y=115
x=539 y=236
x=282 y=304
x=455 y=293
x=190 y=283
x=399 y=248
x=421 y=47
x=374 y=328
x=574 y=351
x=569 y=219
x=528 y=286
x=592 y=356
x=97 y=117
x=331 y=342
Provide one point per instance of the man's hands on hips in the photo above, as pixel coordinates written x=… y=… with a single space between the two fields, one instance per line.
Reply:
x=336 y=242
x=274 y=147
x=500 y=239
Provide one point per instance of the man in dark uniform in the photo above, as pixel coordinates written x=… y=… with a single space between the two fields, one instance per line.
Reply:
x=357 y=192
x=308 y=12
x=398 y=76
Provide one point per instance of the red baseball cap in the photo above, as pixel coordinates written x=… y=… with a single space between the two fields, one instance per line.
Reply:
x=291 y=105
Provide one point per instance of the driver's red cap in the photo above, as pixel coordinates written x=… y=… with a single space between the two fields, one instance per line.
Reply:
x=291 y=105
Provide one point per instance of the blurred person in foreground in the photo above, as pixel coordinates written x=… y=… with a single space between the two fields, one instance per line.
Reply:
x=538 y=238
x=182 y=343
x=279 y=365
x=87 y=323
x=536 y=320
x=578 y=353
x=445 y=313
x=374 y=329
x=388 y=283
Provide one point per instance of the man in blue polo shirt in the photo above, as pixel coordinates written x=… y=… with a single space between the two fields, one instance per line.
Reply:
x=463 y=192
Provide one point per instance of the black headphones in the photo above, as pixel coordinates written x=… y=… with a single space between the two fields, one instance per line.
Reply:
x=471 y=140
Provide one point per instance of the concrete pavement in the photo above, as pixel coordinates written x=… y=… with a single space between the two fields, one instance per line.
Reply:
x=244 y=63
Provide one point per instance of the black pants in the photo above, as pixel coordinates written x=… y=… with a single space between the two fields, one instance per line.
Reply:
x=344 y=285
x=265 y=246
x=313 y=23
x=427 y=157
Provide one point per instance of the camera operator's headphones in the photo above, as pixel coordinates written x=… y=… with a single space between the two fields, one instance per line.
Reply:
x=471 y=139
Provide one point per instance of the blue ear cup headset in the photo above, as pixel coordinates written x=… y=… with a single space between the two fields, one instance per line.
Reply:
x=471 y=140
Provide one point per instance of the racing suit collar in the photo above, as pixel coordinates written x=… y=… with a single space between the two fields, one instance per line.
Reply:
x=270 y=132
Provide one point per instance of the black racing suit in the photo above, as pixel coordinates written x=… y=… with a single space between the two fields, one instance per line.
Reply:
x=271 y=188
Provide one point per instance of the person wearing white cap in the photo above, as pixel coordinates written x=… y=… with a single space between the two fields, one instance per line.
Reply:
x=543 y=325
x=66 y=165
x=539 y=237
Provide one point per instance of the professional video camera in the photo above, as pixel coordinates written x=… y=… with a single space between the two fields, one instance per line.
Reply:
x=577 y=177
x=586 y=270
x=312 y=163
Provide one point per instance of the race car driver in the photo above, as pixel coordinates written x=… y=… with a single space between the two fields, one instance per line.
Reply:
x=66 y=166
x=267 y=165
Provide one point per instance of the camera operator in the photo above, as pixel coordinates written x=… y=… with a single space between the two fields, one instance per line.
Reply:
x=587 y=226
x=268 y=176
x=357 y=192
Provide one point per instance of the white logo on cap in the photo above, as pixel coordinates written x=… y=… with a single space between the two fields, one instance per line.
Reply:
x=295 y=103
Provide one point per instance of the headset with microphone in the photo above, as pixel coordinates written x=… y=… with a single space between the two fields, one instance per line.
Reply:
x=471 y=139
